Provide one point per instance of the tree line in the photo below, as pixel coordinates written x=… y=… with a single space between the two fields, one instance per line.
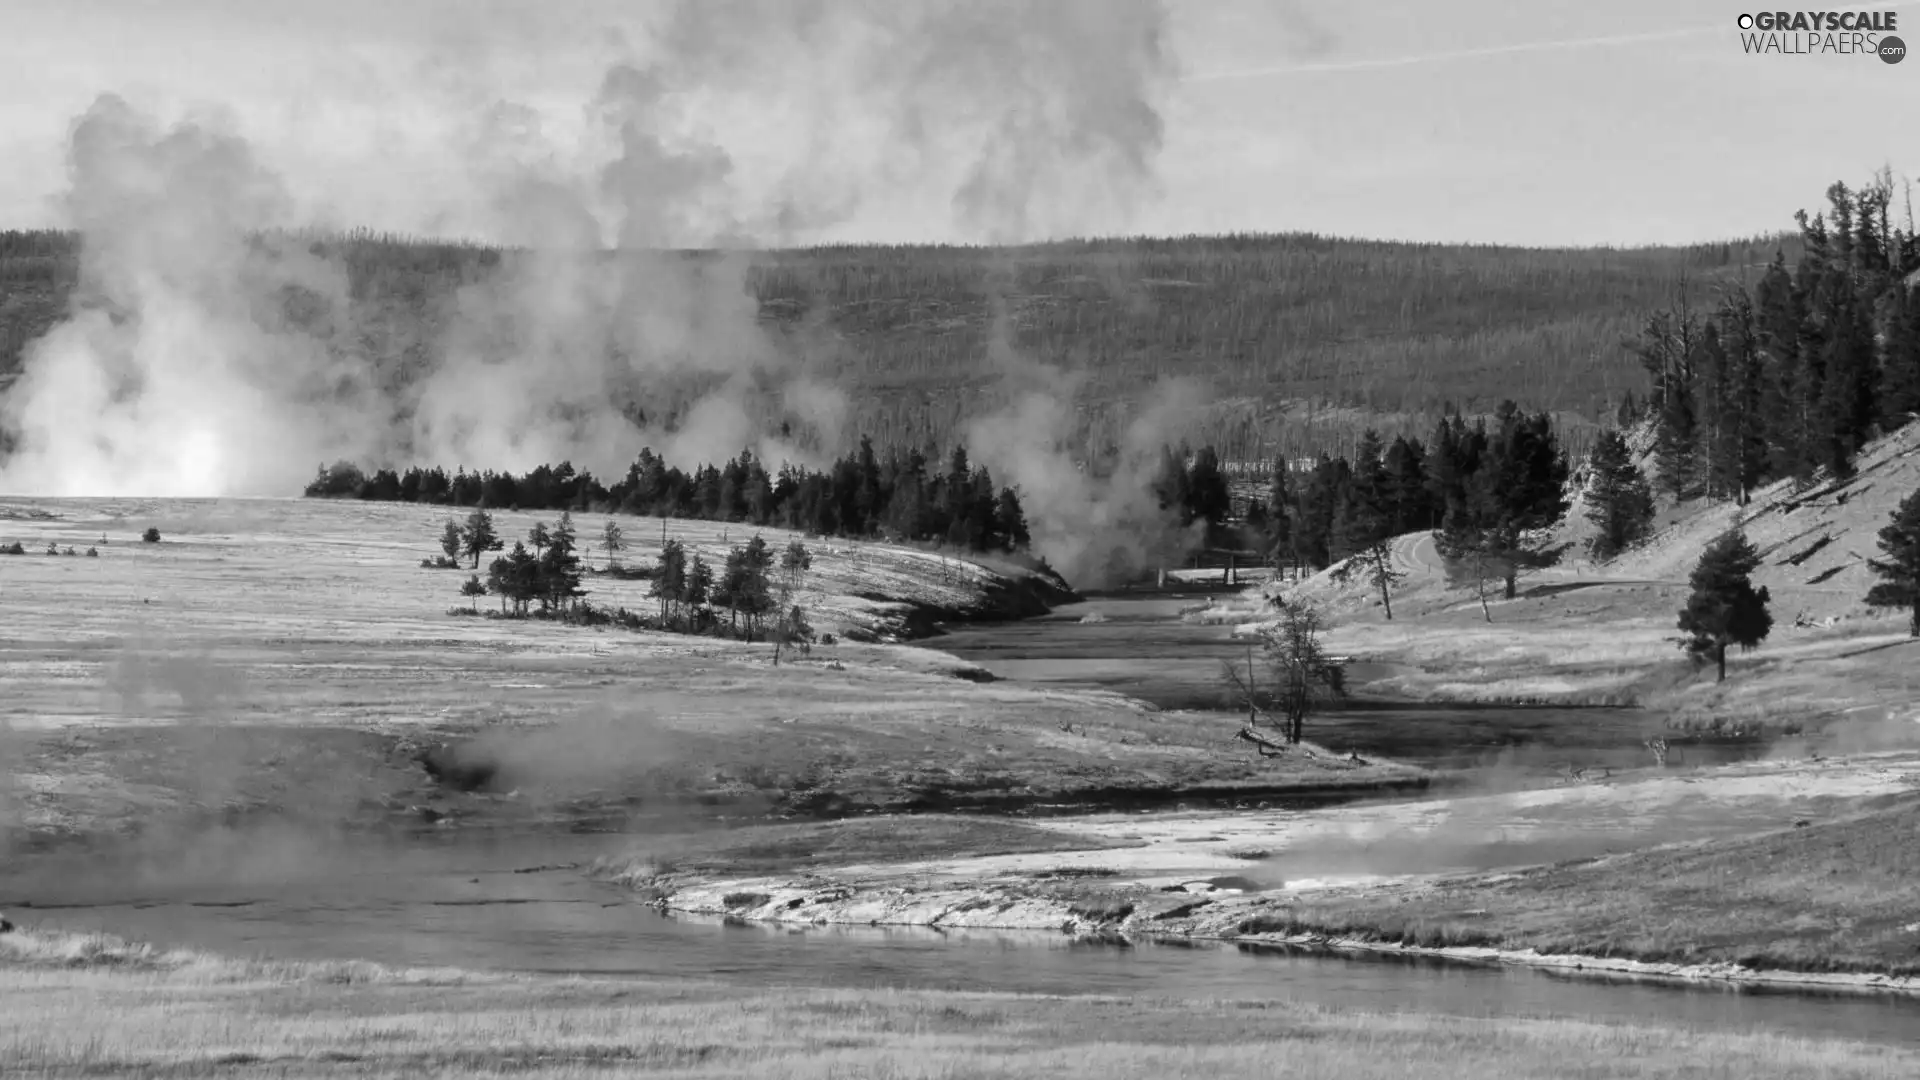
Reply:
x=903 y=497
x=1486 y=490
x=1794 y=377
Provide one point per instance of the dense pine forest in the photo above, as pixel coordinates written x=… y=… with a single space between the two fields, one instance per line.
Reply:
x=1305 y=340
x=1791 y=377
x=903 y=498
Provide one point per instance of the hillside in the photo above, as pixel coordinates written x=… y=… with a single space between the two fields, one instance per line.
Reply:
x=1369 y=332
x=1607 y=633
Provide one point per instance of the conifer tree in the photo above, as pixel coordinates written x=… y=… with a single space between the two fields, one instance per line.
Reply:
x=560 y=565
x=1788 y=384
x=473 y=590
x=1736 y=458
x=669 y=584
x=1724 y=608
x=1900 y=390
x=1207 y=496
x=1009 y=522
x=1619 y=502
x=451 y=540
x=479 y=536
x=1900 y=542
x=611 y=541
x=1406 y=487
x=699 y=590
x=1281 y=549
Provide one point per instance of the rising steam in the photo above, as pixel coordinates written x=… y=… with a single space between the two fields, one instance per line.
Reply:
x=212 y=349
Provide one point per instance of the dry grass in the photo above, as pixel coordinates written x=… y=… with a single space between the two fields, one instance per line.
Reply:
x=1832 y=896
x=270 y=653
x=216 y=1018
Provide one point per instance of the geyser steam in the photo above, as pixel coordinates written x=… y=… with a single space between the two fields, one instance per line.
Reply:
x=212 y=349
x=175 y=373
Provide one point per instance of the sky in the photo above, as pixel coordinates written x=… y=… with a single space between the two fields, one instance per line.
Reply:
x=1543 y=123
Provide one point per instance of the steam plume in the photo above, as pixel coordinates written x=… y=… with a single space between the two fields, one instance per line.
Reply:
x=209 y=352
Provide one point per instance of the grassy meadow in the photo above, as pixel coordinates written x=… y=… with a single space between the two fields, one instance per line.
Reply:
x=291 y=654
x=1833 y=895
x=73 y=1006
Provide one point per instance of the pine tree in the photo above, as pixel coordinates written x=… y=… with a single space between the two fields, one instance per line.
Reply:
x=1619 y=502
x=1519 y=488
x=515 y=577
x=611 y=542
x=1788 y=386
x=791 y=625
x=1669 y=348
x=1407 y=487
x=1736 y=460
x=479 y=536
x=1900 y=541
x=669 y=584
x=1900 y=388
x=699 y=591
x=1714 y=409
x=1207 y=497
x=867 y=499
x=1281 y=549
x=1846 y=406
x=560 y=572
x=1724 y=608
x=1170 y=487
x=1009 y=522
x=473 y=590
x=751 y=594
x=452 y=540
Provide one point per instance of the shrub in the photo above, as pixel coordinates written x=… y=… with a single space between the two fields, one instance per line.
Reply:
x=13 y=549
x=151 y=536
x=93 y=553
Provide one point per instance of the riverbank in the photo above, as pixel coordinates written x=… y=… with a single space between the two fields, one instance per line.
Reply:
x=1784 y=872
x=88 y=1005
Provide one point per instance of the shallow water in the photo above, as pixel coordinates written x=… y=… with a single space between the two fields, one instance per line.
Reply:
x=1139 y=647
x=463 y=904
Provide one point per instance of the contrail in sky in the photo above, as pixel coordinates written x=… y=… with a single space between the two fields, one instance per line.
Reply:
x=1461 y=54
x=1492 y=50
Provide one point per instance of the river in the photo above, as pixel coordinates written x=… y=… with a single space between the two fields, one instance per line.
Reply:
x=518 y=906
x=1140 y=647
x=523 y=904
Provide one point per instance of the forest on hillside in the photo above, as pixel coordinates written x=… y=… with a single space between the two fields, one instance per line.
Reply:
x=1381 y=334
x=1789 y=379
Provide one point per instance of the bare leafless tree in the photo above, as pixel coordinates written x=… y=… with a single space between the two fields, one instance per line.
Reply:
x=1303 y=678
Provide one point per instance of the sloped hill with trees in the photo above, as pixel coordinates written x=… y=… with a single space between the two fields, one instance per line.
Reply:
x=1372 y=333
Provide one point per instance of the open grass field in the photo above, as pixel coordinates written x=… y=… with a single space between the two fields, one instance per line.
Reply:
x=1828 y=896
x=292 y=654
x=80 y=1006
